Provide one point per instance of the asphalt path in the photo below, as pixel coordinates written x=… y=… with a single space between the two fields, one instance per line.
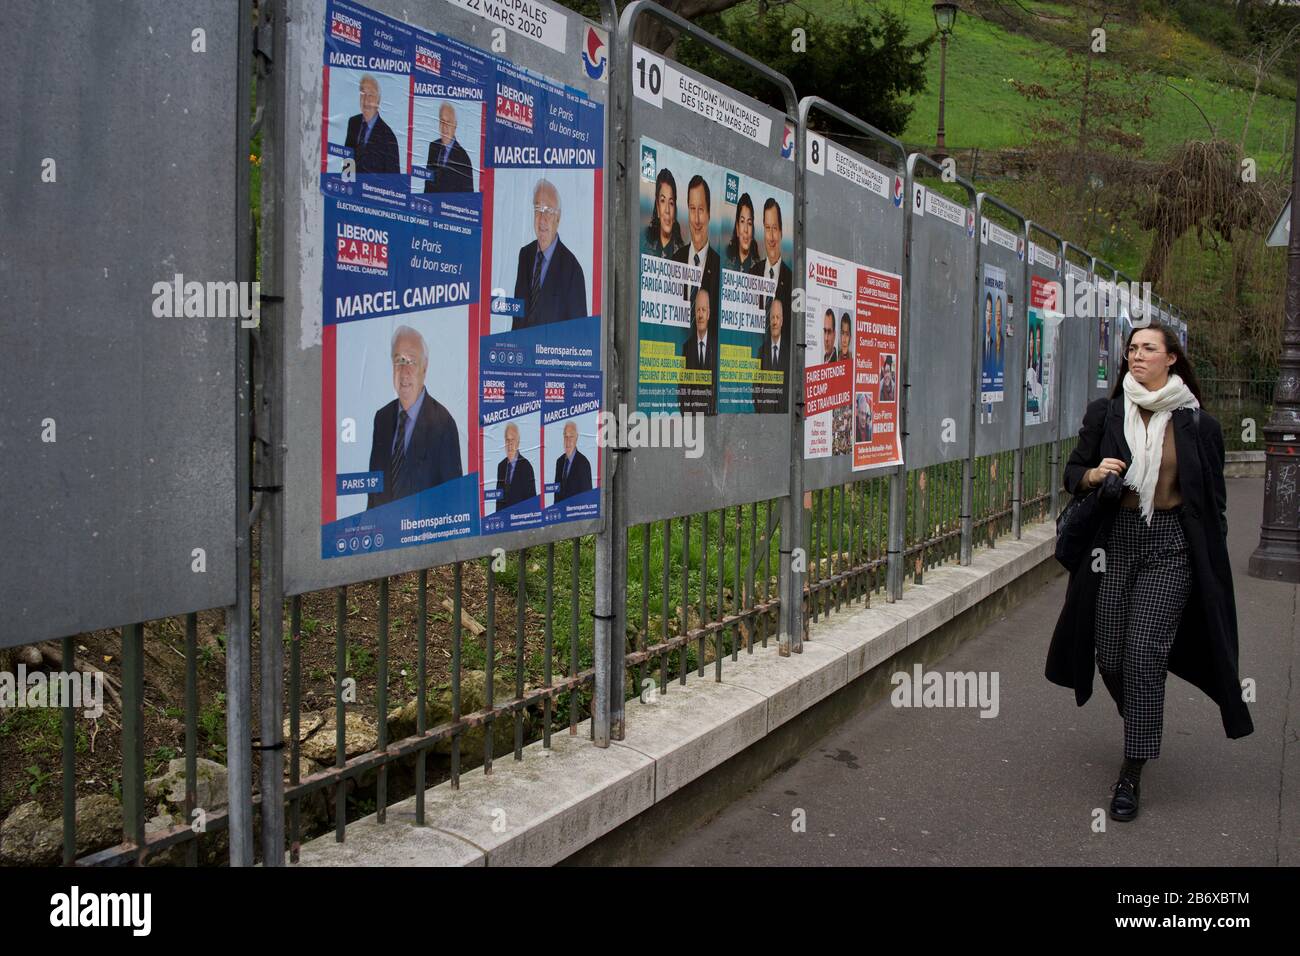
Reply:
x=1028 y=787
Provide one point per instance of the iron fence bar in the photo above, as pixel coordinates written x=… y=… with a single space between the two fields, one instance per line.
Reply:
x=295 y=708
x=574 y=700
x=737 y=589
x=381 y=705
x=133 y=737
x=421 y=678
x=191 y=732
x=457 y=635
x=665 y=587
x=489 y=687
x=521 y=602
x=239 y=616
x=340 y=716
x=549 y=645
x=69 y=760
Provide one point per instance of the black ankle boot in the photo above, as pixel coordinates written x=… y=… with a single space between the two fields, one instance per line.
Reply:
x=1124 y=805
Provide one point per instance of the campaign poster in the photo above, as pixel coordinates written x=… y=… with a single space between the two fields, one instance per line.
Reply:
x=449 y=115
x=366 y=104
x=570 y=420
x=679 y=273
x=831 y=304
x=400 y=293
x=993 y=345
x=1103 y=343
x=546 y=203
x=1040 y=372
x=875 y=369
x=461 y=327
x=510 y=413
x=756 y=291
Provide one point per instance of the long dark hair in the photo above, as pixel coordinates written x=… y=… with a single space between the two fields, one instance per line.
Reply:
x=733 y=247
x=652 y=230
x=1182 y=367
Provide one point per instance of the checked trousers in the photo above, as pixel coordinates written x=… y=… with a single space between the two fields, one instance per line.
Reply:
x=1139 y=604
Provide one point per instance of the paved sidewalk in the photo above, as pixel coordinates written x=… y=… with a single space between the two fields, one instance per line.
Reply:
x=916 y=786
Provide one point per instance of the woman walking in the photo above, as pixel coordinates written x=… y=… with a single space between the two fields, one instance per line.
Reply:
x=1154 y=591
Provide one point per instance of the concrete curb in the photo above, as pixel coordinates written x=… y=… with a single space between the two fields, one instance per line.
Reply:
x=1243 y=464
x=544 y=808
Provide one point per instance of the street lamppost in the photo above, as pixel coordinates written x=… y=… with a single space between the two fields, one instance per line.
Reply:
x=945 y=15
x=1278 y=555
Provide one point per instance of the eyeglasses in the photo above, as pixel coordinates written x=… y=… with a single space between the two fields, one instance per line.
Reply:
x=1144 y=350
x=546 y=210
x=400 y=361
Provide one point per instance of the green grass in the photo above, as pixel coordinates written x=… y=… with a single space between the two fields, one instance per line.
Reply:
x=984 y=110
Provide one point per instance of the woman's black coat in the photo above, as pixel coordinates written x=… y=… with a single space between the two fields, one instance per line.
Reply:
x=1204 y=652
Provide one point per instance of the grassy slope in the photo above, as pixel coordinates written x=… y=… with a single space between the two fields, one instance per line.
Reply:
x=984 y=110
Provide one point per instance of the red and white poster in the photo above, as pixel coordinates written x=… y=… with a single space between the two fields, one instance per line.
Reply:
x=875 y=369
x=828 y=371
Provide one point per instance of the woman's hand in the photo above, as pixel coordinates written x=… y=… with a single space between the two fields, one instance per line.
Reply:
x=1108 y=466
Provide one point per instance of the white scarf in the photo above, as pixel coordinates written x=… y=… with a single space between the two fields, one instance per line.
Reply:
x=1147 y=442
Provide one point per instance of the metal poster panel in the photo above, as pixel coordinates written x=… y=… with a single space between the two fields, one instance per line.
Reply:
x=118 y=215
x=941 y=302
x=1124 y=320
x=710 y=308
x=999 y=331
x=1078 y=331
x=1103 y=324
x=1044 y=341
x=855 y=235
x=444 y=344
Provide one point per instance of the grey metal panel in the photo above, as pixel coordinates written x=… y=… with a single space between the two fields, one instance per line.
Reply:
x=854 y=223
x=940 y=340
x=143 y=133
x=1047 y=431
x=1104 y=276
x=305 y=570
x=745 y=456
x=1081 y=343
x=997 y=424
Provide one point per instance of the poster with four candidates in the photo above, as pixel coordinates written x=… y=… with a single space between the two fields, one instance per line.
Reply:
x=715 y=288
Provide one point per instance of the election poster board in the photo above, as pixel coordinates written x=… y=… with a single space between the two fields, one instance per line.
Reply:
x=1108 y=307
x=707 y=325
x=876 y=439
x=942 y=355
x=122 y=321
x=715 y=284
x=854 y=215
x=1042 y=369
x=999 y=330
x=458 y=327
x=993 y=340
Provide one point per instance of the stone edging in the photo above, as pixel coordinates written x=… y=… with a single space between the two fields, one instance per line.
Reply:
x=542 y=809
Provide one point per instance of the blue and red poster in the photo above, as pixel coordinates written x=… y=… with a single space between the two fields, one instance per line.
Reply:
x=461 y=362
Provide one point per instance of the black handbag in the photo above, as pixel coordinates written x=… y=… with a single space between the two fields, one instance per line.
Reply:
x=1079 y=520
x=1076 y=526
